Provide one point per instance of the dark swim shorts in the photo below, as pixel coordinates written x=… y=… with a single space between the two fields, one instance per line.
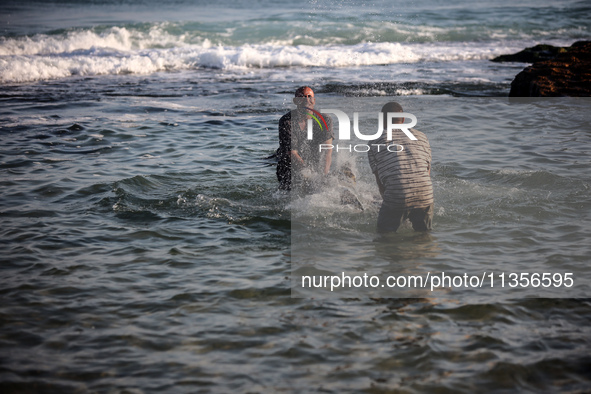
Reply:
x=390 y=219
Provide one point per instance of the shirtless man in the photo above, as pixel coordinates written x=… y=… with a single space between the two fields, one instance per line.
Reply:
x=295 y=151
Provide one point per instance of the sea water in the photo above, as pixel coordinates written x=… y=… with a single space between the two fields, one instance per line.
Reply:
x=145 y=247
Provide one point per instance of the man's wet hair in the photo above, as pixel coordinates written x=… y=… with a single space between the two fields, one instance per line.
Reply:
x=392 y=106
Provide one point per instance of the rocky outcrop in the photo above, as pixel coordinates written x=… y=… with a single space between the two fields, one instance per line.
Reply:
x=531 y=55
x=566 y=74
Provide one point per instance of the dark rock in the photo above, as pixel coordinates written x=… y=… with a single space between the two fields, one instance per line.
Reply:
x=567 y=74
x=538 y=53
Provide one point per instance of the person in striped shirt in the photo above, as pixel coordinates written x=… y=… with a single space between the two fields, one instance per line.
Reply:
x=403 y=175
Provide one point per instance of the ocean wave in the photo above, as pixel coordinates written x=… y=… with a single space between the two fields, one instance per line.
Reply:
x=113 y=38
x=112 y=60
x=166 y=46
x=160 y=35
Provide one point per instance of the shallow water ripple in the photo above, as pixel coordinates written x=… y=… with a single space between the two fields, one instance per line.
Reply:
x=144 y=246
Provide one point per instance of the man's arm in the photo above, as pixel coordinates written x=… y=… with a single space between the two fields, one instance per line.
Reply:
x=381 y=187
x=297 y=159
x=430 y=157
x=326 y=160
x=285 y=141
x=374 y=169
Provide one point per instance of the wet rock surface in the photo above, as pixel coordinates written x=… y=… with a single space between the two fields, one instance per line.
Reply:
x=534 y=54
x=566 y=73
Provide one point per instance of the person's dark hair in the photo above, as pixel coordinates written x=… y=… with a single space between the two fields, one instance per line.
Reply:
x=392 y=106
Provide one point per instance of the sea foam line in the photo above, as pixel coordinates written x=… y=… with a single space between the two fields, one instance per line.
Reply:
x=112 y=60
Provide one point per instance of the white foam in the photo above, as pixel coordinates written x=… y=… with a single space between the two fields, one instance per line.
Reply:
x=122 y=51
x=410 y=92
x=114 y=38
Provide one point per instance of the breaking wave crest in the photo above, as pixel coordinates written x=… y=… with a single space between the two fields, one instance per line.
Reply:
x=146 y=48
x=122 y=51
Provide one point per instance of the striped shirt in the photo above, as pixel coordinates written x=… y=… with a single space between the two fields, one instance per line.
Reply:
x=404 y=174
